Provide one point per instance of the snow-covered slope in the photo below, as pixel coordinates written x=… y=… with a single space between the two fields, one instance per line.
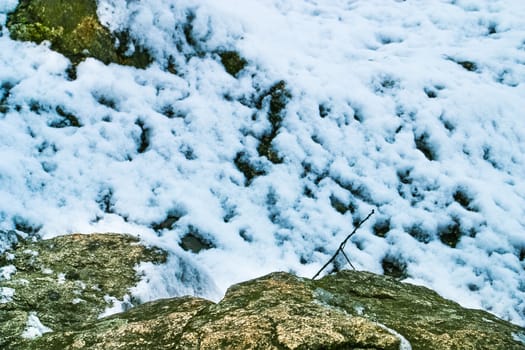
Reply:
x=412 y=108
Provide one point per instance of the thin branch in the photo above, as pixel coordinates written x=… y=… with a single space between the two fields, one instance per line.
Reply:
x=342 y=245
x=347 y=259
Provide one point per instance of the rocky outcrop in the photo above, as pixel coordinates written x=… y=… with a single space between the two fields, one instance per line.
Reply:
x=73 y=29
x=347 y=310
x=61 y=283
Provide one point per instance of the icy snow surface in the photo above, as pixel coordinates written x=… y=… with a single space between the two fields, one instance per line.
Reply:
x=412 y=108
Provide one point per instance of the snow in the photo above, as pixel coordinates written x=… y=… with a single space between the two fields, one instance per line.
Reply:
x=115 y=306
x=386 y=113
x=179 y=277
x=7 y=6
x=34 y=327
x=519 y=337
x=7 y=271
x=6 y=295
x=404 y=344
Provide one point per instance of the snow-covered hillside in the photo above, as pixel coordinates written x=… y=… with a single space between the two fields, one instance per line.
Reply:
x=413 y=108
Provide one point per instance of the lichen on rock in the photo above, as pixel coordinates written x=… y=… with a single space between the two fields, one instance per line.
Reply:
x=67 y=281
x=347 y=310
x=279 y=311
x=73 y=29
x=423 y=317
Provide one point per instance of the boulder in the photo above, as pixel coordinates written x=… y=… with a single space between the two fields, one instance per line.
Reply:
x=61 y=283
x=59 y=288
x=73 y=29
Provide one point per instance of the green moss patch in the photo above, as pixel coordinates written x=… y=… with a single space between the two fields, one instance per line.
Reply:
x=233 y=62
x=69 y=280
x=73 y=29
x=347 y=310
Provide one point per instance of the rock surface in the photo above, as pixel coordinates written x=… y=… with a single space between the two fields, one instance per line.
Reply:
x=73 y=29
x=67 y=281
x=347 y=310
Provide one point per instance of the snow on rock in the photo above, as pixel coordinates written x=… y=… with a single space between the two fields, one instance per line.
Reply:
x=7 y=271
x=282 y=311
x=6 y=295
x=34 y=328
x=411 y=108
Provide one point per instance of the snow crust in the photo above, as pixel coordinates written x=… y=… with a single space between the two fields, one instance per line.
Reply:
x=34 y=327
x=412 y=108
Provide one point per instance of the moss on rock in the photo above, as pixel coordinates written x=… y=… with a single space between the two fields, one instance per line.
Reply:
x=279 y=311
x=154 y=325
x=73 y=29
x=427 y=320
x=233 y=62
x=347 y=310
x=69 y=280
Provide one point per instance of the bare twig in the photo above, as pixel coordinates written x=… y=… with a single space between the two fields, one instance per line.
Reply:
x=342 y=246
x=347 y=259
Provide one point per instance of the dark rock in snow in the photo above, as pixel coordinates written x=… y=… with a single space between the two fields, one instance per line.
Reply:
x=73 y=29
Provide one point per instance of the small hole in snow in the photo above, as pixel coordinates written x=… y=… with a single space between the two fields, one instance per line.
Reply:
x=194 y=241
x=394 y=267
x=381 y=227
x=473 y=287
x=431 y=93
x=245 y=235
x=404 y=176
x=144 y=139
x=463 y=198
x=107 y=101
x=168 y=223
x=419 y=233
x=426 y=147
x=522 y=254
x=450 y=234
x=105 y=200
x=24 y=225
x=188 y=152
x=324 y=110
x=492 y=28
